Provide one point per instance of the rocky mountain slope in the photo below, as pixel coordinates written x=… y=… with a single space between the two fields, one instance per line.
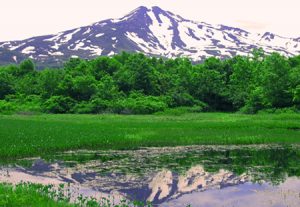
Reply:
x=152 y=31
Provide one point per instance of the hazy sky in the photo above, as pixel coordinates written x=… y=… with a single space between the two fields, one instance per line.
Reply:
x=21 y=19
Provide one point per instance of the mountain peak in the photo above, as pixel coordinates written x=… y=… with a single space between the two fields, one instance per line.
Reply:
x=143 y=10
x=157 y=8
x=138 y=13
x=268 y=36
x=139 y=10
x=157 y=11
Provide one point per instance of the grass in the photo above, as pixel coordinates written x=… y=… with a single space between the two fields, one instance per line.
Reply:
x=34 y=135
x=36 y=195
x=28 y=195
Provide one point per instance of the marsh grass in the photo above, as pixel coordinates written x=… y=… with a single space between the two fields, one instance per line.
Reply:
x=33 y=195
x=35 y=135
x=37 y=195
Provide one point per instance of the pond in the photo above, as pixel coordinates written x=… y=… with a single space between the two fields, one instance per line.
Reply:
x=254 y=175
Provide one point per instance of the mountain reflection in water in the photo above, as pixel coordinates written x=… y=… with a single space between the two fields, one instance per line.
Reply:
x=197 y=175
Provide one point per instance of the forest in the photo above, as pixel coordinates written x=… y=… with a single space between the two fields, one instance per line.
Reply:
x=137 y=84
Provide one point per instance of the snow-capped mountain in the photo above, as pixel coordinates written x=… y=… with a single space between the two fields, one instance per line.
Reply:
x=152 y=31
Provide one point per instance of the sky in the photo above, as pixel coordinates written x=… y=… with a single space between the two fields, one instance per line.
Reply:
x=20 y=19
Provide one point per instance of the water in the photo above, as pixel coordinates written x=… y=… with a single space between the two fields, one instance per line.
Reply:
x=257 y=175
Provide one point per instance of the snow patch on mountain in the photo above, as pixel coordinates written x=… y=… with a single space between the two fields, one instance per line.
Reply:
x=111 y=53
x=143 y=45
x=56 y=53
x=16 y=47
x=161 y=30
x=28 y=50
x=66 y=38
x=87 y=31
x=99 y=35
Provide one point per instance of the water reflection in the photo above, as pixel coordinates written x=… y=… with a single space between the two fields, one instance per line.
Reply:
x=165 y=185
x=197 y=175
x=247 y=195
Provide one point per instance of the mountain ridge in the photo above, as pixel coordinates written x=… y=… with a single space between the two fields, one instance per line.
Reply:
x=152 y=31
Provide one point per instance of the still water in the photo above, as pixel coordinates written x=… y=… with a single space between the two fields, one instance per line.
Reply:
x=256 y=175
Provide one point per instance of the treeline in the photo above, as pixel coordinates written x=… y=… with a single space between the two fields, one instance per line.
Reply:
x=137 y=84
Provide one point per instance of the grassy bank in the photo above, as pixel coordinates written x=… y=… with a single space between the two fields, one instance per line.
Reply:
x=28 y=195
x=23 y=136
x=36 y=195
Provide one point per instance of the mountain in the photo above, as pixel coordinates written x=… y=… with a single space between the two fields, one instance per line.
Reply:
x=152 y=31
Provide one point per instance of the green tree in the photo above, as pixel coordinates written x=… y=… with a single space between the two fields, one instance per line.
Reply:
x=28 y=84
x=208 y=86
x=136 y=82
x=241 y=81
x=84 y=87
x=104 y=65
x=296 y=96
x=48 y=81
x=26 y=66
x=6 y=84
x=107 y=89
x=276 y=81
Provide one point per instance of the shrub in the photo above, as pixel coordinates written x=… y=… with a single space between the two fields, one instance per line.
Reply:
x=141 y=105
x=23 y=104
x=7 y=107
x=31 y=103
x=101 y=106
x=181 y=99
x=58 y=104
x=83 y=108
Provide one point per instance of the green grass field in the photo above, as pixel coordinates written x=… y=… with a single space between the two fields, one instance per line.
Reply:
x=24 y=136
